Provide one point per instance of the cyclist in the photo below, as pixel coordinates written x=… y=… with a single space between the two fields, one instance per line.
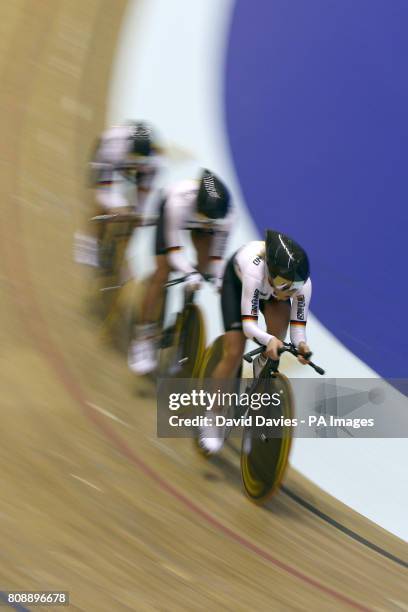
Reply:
x=271 y=276
x=124 y=167
x=203 y=207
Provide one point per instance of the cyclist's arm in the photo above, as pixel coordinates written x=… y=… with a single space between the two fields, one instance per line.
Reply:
x=298 y=314
x=218 y=245
x=250 y=309
x=174 y=217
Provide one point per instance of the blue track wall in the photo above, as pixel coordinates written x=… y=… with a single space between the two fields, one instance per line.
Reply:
x=317 y=116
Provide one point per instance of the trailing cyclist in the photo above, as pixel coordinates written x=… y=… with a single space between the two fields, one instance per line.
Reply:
x=203 y=208
x=124 y=167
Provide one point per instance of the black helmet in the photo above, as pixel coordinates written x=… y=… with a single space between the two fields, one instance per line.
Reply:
x=143 y=144
x=286 y=259
x=213 y=199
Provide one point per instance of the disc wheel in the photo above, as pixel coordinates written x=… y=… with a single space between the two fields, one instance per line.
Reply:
x=265 y=451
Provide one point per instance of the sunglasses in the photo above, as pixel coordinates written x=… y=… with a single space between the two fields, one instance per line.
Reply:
x=284 y=285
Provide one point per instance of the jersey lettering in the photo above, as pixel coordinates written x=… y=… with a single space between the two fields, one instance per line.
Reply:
x=300 y=313
x=255 y=302
x=210 y=186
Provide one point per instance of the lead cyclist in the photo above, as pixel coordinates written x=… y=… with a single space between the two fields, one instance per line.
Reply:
x=272 y=276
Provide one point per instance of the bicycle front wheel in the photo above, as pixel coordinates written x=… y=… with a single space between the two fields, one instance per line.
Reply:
x=188 y=342
x=265 y=453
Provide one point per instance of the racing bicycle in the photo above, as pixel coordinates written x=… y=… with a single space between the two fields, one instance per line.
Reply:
x=182 y=342
x=116 y=291
x=264 y=450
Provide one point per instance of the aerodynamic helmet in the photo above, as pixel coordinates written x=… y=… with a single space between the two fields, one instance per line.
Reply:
x=287 y=261
x=213 y=199
x=142 y=139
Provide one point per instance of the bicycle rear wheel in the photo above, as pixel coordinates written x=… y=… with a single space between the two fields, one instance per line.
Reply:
x=264 y=458
x=211 y=358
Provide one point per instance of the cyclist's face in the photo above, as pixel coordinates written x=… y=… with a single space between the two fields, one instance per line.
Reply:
x=283 y=288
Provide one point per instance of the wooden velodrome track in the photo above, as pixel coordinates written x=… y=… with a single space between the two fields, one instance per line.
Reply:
x=92 y=502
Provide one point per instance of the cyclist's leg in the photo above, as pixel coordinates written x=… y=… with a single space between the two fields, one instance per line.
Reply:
x=109 y=200
x=233 y=346
x=152 y=302
x=211 y=439
x=113 y=242
x=142 y=356
x=277 y=316
x=234 y=339
x=143 y=350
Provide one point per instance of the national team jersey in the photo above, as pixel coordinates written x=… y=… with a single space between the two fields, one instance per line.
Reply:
x=251 y=269
x=112 y=152
x=180 y=213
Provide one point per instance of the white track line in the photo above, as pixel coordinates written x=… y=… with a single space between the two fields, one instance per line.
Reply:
x=90 y=484
x=109 y=414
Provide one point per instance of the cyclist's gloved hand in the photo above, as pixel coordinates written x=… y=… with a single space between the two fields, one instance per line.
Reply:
x=305 y=351
x=272 y=348
x=193 y=281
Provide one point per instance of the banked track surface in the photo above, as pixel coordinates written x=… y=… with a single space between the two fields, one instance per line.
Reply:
x=97 y=505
